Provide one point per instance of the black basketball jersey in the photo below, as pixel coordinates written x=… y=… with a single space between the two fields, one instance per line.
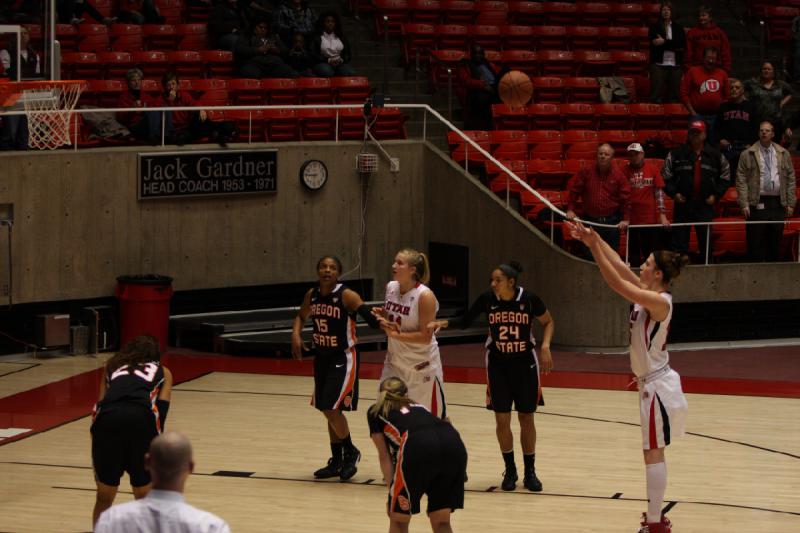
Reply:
x=397 y=423
x=137 y=385
x=334 y=326
x=510 y=321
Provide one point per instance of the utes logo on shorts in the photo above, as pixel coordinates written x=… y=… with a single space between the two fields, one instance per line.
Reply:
x=348 y=400
x=403 y=502
x=710 y=86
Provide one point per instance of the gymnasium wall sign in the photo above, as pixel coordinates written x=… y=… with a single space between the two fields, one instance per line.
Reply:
x=207 y=174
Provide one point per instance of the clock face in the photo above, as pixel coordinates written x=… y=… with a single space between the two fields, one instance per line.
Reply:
x=314 y=174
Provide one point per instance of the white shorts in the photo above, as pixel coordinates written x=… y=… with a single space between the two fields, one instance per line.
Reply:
x=662 y=409
x=424 y=388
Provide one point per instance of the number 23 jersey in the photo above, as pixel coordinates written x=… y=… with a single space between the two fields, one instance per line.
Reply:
x=139 y=385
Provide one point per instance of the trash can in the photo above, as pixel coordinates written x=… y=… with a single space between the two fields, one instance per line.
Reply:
x=144 y=307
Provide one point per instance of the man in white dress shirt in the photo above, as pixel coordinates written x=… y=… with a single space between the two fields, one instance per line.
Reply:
x=164 y=509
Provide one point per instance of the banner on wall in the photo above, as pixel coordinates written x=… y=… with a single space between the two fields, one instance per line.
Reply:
x=207 y=174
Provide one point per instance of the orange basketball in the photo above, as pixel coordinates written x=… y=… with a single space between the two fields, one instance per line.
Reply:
x=515 y=89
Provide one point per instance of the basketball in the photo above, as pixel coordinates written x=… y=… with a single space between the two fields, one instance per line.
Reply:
x=515 y=89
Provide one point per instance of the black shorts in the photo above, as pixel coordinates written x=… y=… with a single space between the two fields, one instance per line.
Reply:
x=121 y=436
x=513 y=381
x=336 y=380
x=432 y=462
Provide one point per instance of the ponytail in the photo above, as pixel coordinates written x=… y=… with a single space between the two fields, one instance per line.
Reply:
x=420 y=262
x=393 y=395
x=670 y=263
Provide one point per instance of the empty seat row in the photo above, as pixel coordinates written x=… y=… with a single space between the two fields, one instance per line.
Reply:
x=131 y=37
x=581 y=115
x=243 y=91
x=154 y=63
x=397 y=12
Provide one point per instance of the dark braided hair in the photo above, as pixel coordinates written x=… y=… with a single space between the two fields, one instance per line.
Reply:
x=138 y=352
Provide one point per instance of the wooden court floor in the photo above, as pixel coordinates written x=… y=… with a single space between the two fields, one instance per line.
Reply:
x=257 y=440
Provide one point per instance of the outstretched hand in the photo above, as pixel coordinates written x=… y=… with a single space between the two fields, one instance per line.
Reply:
x=435 y=325
x=580 y=232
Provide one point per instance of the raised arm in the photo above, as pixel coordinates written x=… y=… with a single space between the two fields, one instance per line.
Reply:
x=297 y=341
x=464 y=321
x=623 y=270
x=353 y=302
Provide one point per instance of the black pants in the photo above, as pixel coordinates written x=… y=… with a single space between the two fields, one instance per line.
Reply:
x=764 y=240
x=478 y=110
x=69 y=9
x=644 y=241
x=662 y=78
x=692 y=211
x=610 y=235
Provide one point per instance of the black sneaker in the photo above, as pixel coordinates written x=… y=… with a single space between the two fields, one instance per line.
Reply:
x=349 y=461
x=332 y=469
x=532 y=482
x=509 y=479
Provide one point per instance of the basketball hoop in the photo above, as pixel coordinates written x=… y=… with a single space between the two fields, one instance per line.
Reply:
x=48 y=106
x=366 y=163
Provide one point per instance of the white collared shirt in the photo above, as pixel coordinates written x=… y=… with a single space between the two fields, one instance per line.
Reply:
x=770 y=178
x=164 y=511
x=668 y=60
x=331 y=45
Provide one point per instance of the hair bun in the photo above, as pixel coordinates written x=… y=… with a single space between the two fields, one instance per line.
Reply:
x=516 y=266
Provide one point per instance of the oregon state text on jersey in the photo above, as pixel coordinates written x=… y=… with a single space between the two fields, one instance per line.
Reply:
x=334 y=327
x=510 y=331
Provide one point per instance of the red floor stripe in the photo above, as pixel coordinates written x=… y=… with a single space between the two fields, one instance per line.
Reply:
x=69 y=399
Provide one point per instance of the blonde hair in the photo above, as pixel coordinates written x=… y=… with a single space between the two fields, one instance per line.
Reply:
x=419 y=261
x=392 y=395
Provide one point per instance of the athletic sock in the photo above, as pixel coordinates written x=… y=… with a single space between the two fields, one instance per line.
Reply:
x=508 y=458
x=530 y=461
x=656 y=486
x=348 y=443
x=336 y=451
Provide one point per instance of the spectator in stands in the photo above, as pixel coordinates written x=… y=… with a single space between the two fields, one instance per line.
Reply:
x=143 y=125
x=647 y=205
x=606 y=195
x=139 y=12
x=170 y=463
x=191 y=125
x=479 y=79
x=695 y=175
x=299 y=58
x=667 y=44
x=706 y=34
x=14 y=135
x=766 y=184
x=291 y=17
x=704 y=89
x=226 y=23
x=258 y=9
x=72 y=12
x=260 y=55
x=330 y=48
x=735 y=127
x=770 y=95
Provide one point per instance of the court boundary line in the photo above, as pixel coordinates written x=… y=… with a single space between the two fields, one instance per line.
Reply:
x=30 y=365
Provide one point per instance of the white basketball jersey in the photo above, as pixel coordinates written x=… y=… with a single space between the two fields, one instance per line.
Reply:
x=649 y=339
x=404 y=310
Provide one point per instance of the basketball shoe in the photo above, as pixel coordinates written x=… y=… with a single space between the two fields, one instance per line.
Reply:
x=332 y=469
x=349 y=461
x=510 y=478
x=665 y=526
x=532 y=482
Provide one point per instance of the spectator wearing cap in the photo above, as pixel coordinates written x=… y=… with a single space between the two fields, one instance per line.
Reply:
x=705 y=88
x=647 y=205
x=606 y=195
x=735 y=127
x=695 y=175
x=766 y=182
x=706 y=34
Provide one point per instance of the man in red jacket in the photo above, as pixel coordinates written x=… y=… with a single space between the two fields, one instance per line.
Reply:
x=704 y=89
x=706 y=34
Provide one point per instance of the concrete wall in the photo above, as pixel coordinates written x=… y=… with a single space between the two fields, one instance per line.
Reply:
x=79 y=225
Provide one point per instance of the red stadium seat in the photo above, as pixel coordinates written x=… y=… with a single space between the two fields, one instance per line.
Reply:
x=282 y=125
x=594 y=63
x=68 y=37
x=317 y=124
x=81 y=66
x=102 y=93
x=516 y=37
x=560 y=13
x=651 y=13
x=556 y=62
x=511 y=150
x=198 y=12
x=655 y=137
x=152 y=87
x=126 y=37
x=315 y=90
x=525 y=13
x=678 y=116
x=153 y=63
x=487 y=36
x=461 y=151
x=585 y=150
x=618 y=139
x=628 y=14
x=491 y=12
x=427 y=11
x=550 y=37
x=280 y=91
x=548 y=174
x=389 y=123
x=418 y=41
x=547 y=150
x=649 y=116
x=499 y=182
x=458 y=11
x=160 y=36
x=640 y=38
x=453 y=37
x=249 y=124
x=396 y=11
x=629 y=63
x=441 y=62
x=350 y=89
x=219 y=63
x=192 y=36
x=578 y=115
x=104 y=7
x=522 y=60
x=582 y=37
x=212 y=92
x=93 y=38
x=728 y=205
x=613 y=117
x=728 y=240
x=533 y=207
x=582 y=89
x=548 y=89
x=545 y=116
x=499 y=137
x=171 y=10
x=115 y=64
x=571 y=137
x=678 y=136
x=779 y=22
x=509 y=118
x=186 y=63
x=537 y=137
x=616 y=37
x=594 y=13
x=246 y=91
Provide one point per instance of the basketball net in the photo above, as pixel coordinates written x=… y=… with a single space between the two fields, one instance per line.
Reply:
x=49 y=107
